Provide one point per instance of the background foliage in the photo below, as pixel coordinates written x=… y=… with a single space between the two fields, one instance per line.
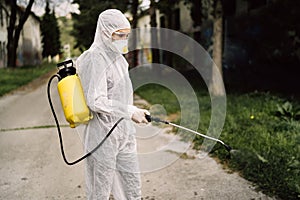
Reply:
x=263 y=49
x=50 y=34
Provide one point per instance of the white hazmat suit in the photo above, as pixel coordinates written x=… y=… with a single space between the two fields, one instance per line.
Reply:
x=103 y=71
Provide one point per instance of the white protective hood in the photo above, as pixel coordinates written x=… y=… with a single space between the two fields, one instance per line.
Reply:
x=109 y=21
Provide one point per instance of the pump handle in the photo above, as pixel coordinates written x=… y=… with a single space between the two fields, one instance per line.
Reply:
x=65 y=71
x=65 y=63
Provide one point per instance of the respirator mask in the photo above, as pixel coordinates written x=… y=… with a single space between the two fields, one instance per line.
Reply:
x=121 y=46
x=120 y=42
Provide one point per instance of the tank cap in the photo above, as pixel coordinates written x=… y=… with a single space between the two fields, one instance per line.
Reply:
x=66 y=68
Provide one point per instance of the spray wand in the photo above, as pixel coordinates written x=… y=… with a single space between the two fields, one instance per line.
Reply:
x=149 y=119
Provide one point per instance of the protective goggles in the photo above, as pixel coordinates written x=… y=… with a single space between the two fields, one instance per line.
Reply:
x=120 y=35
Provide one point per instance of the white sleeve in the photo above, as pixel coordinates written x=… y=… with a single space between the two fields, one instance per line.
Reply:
x=131 y=110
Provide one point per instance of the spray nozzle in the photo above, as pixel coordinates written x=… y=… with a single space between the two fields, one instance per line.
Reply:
x=154 y=119
x=227 y=147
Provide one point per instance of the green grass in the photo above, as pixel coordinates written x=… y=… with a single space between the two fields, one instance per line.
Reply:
x=13 y=78
x=267 y=147
x=153 y=94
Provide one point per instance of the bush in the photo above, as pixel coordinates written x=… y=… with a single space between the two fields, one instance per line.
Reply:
x=288 y=112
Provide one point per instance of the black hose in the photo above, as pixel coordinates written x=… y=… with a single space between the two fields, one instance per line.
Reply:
x=59 y=131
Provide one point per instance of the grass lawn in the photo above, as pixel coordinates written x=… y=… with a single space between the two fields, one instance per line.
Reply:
x=264 y=132
x=12 y=78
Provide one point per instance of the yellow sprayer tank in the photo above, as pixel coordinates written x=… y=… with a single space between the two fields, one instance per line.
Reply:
x=73 y=101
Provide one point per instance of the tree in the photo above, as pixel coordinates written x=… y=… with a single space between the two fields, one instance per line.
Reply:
x=217 y=43
x=154 y=38
x=14 y=30
x=17 y=17
x=50 y=33
x=168 y=8
x=266 y=47
x=134 y=9
x=197 y=17
x=206 y=13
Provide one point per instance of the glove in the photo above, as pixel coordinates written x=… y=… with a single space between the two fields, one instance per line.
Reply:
x=139 y=116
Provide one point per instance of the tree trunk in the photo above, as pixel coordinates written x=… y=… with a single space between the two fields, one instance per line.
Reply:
x=134 y=9
x=13 y=32
x=154 y=38
x=168 y=55
x=11 y=52
x=217 y=48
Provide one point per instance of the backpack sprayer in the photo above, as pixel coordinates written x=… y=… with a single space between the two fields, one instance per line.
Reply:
x=73 y=103
x=76 y=111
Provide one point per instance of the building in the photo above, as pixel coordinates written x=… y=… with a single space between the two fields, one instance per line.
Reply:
x=29 y=50
x=181 y=21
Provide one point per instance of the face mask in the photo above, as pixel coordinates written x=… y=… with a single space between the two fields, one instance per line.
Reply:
x=121 y=46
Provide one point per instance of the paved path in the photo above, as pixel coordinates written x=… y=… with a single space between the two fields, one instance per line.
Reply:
x=31 y=166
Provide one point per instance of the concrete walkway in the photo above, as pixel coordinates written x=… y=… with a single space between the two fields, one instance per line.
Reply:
x=31 y=166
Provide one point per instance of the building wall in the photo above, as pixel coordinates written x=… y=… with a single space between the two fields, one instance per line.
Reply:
x=29 y=50
x=143 y=30
x=3 y=37
x=144 y=38
x=30 y=46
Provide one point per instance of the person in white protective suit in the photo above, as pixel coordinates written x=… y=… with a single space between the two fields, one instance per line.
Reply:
x=103 y=71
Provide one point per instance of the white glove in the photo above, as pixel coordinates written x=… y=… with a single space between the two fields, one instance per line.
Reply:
x=139 y=116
